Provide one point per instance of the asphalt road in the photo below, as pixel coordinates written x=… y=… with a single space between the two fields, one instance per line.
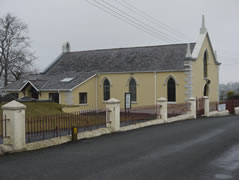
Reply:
x=201 y=149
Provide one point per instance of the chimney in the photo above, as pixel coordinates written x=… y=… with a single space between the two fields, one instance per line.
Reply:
x=66 y=47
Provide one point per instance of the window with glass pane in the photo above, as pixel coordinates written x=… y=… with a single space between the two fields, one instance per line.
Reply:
x=106 y=90
x=83 y=98
x=54 y=97
x=132 y=89
x=171 y=90
x=205 y=65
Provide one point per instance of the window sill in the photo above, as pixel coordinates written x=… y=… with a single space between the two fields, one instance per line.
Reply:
x=83 y=104
x=171 y=102
x=134 y=102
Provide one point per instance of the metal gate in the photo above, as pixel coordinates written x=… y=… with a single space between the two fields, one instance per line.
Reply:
x=200 y=106
x=231 y=104
x=3 y=128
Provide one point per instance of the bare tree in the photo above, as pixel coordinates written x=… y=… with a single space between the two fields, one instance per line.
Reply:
x=16 y=59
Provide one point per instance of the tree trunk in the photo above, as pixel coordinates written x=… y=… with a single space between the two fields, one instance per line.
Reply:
x=6 y=73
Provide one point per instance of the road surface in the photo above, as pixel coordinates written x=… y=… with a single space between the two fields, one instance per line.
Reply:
x=202 y=149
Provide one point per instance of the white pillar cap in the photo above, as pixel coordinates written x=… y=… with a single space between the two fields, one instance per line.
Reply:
x=112 y=101
x=13 y=105
x=192 y=99
x=162 y=99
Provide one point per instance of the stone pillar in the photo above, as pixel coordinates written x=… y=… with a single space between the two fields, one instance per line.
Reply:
x=206 y=106
x=113 y=114
x=15 y=124
x=192 y=101
x=163 y=104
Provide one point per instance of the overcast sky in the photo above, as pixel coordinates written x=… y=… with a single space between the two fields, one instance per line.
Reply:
x=53 y=22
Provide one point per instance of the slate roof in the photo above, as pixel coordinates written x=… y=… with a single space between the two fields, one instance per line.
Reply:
x=146 y=59
x=51 y=82
x=84 y=64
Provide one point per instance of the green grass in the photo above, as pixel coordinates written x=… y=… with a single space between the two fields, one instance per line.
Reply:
x=40 y=108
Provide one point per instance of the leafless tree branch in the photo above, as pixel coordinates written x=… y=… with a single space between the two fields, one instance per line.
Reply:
x=16 y=59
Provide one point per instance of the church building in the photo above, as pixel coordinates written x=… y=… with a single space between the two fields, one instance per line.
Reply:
x=87 y=79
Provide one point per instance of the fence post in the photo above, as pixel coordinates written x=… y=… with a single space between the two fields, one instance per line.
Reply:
x=162 y=102
x=206 y=106
x=192 y=101
x=113 y=110
x=15 y=124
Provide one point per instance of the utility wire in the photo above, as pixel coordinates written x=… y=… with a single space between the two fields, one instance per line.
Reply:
x=141 y=22
x=125 y=19
x=153 y=20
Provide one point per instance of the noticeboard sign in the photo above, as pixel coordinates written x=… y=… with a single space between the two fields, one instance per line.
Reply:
x=127 y=101
x=221 y=107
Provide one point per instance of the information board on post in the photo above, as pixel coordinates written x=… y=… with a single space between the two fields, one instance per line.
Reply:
x=221 y=107
x=127 y=101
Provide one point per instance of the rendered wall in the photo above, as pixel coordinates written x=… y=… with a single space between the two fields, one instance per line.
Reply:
x=198 y=81
x=147 y=94
x=180 y=85
x=145 y=87
x=89 y=87
x=44 y=96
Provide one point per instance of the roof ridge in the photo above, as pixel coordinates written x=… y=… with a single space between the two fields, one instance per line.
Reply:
x=132 y=47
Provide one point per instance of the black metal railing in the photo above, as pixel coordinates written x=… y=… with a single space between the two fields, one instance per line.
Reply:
x=178 y=109
x=200 y=106
x=230 y=104
x=3 y=128
x=45 y=127
x=139 y=114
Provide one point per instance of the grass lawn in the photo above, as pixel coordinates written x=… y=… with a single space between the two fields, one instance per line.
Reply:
x=40 y=108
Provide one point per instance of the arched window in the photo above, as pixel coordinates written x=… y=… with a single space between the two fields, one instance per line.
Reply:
x=106 y=90
x=205 y=64
x=132 y=89
x=171 y=90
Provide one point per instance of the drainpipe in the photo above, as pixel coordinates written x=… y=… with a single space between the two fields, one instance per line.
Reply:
x=155 y=87
x=218 y=75
x=59 y=96
x=96 y=92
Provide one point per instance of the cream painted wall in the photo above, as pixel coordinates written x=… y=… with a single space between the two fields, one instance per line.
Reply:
x=145 y=87
x=198 y=80
x=120 y=85
x=90 y=88
x=44 y=96
x=20 y=95
x=180 y=85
